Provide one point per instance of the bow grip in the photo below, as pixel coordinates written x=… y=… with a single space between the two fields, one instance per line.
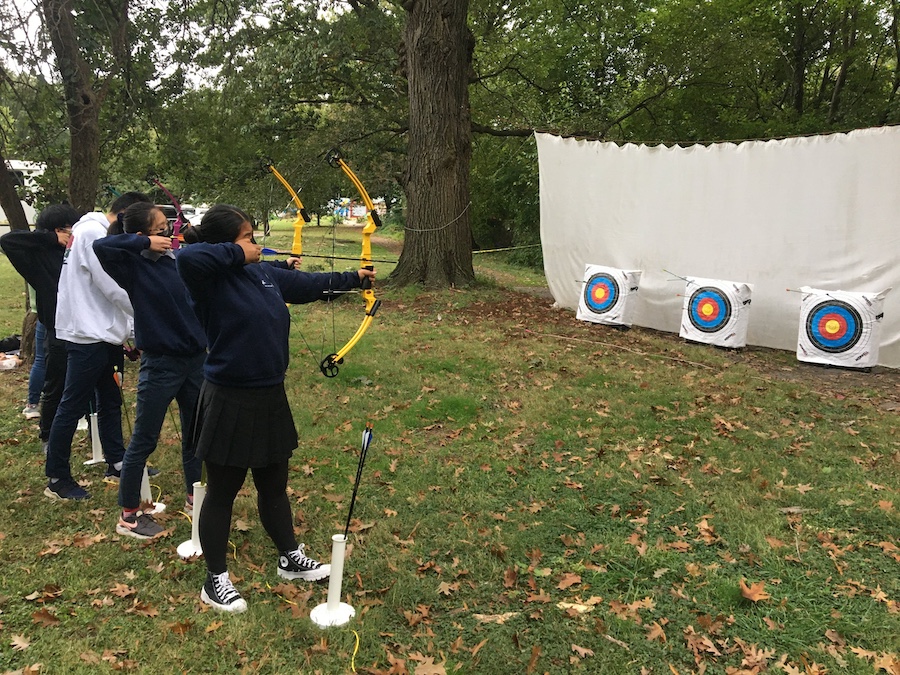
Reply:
x=367 y=281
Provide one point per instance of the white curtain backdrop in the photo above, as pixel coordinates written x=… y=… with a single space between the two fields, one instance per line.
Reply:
x=822 y=211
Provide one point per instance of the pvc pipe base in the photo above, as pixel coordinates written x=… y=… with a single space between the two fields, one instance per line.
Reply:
x=95 y=461
x=325 y=618
x=187 y=549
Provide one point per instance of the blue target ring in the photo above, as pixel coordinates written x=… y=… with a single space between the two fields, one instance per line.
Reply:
x=709 y=309
x=834 y=326
x=601 y=293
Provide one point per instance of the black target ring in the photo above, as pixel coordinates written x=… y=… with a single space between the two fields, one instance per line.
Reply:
x=601 y=293
x=834 y=326
x=709 y=309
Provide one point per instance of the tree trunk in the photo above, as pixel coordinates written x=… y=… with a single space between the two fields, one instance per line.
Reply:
x=26 y=345
x=437 y=250
x=84 y=96
x=9 y=199
x=798 y=57
x=848 y=43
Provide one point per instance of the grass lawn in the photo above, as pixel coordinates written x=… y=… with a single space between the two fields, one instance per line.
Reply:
x=542 y=496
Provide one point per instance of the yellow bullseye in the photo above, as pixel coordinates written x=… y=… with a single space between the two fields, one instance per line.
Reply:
x=707 y=309
x=832 y=326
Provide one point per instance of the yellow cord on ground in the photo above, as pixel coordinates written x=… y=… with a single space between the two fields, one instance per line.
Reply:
x=355 y=650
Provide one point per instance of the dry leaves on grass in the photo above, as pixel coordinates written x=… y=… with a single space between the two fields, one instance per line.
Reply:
x=754 y=592
x=426 y=665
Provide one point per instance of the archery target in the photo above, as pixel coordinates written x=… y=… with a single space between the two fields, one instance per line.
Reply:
x=840 y=328
x=716 y=312
x=601 y=292
x=607 y=295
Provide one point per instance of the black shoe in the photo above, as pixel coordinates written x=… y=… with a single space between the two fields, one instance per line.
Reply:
x=295 y=565
x=112 y=473
x=66 y=489
x=220 y=593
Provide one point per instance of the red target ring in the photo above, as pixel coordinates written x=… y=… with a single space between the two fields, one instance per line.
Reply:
x=834 y=326
x=601 y=293
x=709 y=309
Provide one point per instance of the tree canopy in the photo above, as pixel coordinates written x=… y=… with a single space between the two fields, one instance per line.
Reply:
x=201 y=91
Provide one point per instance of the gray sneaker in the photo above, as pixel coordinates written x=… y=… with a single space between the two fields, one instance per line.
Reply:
x=139 y=525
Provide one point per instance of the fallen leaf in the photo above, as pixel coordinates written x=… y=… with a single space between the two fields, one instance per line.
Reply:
x=478 y=647
x=569 y=579
x=446 y=589
x=574 y=607
x=45 y=618
x=19 y=643
x=656 y=632
x=582 y=651
x=754 y=592
x=495 y=618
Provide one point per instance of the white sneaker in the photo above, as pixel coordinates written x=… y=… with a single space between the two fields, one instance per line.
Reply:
x=31 y=411
x=82 y=424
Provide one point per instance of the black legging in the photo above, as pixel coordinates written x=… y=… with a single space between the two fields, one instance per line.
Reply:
x=222 y=485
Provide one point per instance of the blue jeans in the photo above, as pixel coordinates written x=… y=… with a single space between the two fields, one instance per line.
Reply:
x=39 y=366
x=89 y=370
x=161 y=379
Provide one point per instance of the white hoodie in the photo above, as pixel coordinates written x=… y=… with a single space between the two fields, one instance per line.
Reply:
x=91 y=307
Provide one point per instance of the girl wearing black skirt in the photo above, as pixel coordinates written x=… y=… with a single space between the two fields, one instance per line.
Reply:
x=244 y=420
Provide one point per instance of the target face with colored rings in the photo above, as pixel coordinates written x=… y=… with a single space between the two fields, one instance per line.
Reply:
x=709 y=309
x=601 y=293
x=833 y=326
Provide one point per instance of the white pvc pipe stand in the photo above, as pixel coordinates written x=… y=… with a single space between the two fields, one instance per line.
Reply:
x=191 y=547
x=334 y=612
x=96 y=447
x=147 y=495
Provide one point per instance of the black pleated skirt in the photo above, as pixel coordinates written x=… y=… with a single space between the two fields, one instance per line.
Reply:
x=249 y=428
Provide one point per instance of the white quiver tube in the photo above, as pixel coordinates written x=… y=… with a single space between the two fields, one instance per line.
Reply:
x=334 y=612
x=191 y=547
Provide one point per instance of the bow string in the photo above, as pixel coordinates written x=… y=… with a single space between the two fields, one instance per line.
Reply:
x=180 y=220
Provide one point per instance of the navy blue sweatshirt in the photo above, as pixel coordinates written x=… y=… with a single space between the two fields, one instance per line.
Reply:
x=242 y=309
x=164 y=322
x=38 y=257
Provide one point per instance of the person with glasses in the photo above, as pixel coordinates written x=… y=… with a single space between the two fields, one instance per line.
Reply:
x=138 y=255
x=244 y=418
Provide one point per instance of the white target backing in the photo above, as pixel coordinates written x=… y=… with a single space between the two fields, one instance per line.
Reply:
x=840 y=328
x=716 y=312
x=607 y=295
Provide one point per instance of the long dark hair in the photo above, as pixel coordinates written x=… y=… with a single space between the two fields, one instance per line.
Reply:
x=222 y=223
x=136 y=219
x=122 y=202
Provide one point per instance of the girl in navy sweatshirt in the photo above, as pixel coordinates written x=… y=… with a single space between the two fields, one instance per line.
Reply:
x=244 y=419
x=173 y=349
